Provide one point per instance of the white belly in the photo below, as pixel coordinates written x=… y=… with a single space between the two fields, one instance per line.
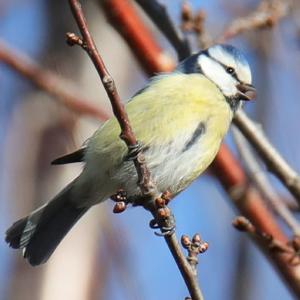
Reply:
x=173 y=166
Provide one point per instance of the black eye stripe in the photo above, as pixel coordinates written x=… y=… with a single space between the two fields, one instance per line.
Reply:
x=234 y=75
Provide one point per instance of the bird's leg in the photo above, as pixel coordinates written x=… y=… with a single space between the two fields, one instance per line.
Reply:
x=163 y=217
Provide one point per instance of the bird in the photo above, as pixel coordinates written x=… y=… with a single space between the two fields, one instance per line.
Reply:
x=179 y=119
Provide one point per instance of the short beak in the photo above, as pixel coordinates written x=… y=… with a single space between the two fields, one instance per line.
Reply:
x=246 y=92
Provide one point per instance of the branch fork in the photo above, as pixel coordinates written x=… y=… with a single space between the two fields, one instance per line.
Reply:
x=194 y=247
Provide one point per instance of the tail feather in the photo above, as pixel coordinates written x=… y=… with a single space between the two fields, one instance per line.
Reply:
x=40 y=233
x=14 y=233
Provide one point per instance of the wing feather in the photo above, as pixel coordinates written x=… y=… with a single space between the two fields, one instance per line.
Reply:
x=74 y=157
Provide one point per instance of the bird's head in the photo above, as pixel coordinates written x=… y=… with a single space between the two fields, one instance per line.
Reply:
x=227 y=67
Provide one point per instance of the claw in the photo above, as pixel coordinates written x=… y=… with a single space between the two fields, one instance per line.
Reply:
x=165 y=231
x=133 y=152
x=153 y=224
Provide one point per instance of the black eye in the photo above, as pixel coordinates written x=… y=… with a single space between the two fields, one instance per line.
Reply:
x=230 y=70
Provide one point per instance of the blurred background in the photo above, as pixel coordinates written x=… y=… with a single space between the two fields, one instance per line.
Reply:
x=108 y=256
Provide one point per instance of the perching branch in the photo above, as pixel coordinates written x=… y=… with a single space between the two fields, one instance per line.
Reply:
x=272 y=158
x=263 y=184
x=187 y=268
x=145 y=182
x=64 y=92
x=157 y=206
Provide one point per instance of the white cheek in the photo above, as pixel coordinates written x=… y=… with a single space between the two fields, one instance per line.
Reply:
x=229 y=90
x=242 y=69
x=216 y=73
x=244 y=74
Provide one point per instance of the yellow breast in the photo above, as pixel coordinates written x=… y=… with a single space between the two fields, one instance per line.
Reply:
x=165 y=118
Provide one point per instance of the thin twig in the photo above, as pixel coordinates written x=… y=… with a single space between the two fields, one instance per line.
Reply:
x=65 y=92
x=195 y=23
x=263 y=184
x=158 y=13
x=291 y=204
x=164 y=220
x=266 y=15
x=187 y=269
x=150 y=55
x=184 y=267
x=243 y=224
x=145 y=182
x=273 y=246
x=271 y=157
x=194 y=248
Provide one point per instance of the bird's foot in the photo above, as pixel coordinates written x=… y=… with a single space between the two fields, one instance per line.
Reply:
x=165 y=230
x=133 y=151
x=163 y=217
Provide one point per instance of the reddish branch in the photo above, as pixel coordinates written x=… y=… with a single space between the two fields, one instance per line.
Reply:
x=148 y=52
x=229 y=172
x=158 y=208
x=65 y=92
x=225 y=167
x=262 y=182
x=158 y=13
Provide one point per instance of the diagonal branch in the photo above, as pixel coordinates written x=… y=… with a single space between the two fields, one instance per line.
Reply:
x=146 y=185
x=272 y=158
x=64 y=92
x=149 y=53
x=127 y=135
x=262 y=182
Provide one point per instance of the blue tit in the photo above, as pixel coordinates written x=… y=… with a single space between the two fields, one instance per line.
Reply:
x=179 y=118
